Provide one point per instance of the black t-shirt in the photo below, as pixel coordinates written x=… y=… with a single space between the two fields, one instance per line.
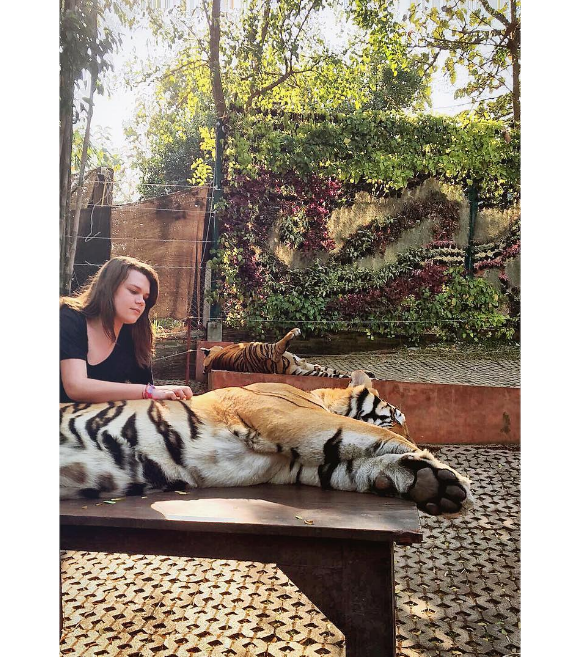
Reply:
x=121 y=365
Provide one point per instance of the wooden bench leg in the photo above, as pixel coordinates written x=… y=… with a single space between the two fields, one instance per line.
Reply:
x=358 y=596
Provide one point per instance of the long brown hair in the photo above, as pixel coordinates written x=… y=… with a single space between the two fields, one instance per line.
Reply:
x=95 y=299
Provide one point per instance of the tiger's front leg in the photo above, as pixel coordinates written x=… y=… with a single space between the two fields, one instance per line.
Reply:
x=331 y=451
x=436 y=488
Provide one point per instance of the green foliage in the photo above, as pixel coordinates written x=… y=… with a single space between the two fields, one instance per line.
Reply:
x=473 y=305
x=85 y=41
x=177 y=159
x=396 y=90
x=479 y=38
x=98 y=154
x=292 y=229
x=86 y=37
x=380 y=148
x=273 y=55
x=464 y=310
x=418 y=294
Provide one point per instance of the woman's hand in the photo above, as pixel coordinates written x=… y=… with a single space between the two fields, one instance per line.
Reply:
x=172 y=392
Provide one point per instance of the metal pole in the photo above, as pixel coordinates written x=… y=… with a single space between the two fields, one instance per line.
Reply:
x=217 y=197
x=472 y=195
x=188 y=350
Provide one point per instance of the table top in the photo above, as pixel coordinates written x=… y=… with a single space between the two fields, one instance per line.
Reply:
x=302 y=511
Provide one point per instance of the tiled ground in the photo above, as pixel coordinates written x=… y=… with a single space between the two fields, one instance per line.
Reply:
x=457 y=592
x=462 y=366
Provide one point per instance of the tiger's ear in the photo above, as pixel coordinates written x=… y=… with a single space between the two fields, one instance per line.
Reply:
x=360 y=378
x=207 y=352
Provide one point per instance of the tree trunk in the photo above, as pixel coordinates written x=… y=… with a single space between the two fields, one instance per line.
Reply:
x=65 y=154
x=74 y=229
x=214 y=60
x=66 y=130
x=514 y=48
x=516 y=88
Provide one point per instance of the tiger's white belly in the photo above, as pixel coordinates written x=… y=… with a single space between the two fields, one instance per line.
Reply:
x=225 y=460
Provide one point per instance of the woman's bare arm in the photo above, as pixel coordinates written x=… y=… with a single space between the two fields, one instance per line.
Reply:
x=80 y=388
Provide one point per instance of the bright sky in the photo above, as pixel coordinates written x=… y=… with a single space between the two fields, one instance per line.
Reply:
x=115 y=110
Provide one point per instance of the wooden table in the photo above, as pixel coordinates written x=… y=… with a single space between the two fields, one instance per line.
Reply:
x=343 y=561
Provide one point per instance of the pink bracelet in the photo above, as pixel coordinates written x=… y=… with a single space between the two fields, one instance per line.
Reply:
x=148 y=391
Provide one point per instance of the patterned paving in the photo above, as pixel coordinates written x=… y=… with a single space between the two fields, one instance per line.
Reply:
x=139 y=605
x=457 y=592
x=423 y=366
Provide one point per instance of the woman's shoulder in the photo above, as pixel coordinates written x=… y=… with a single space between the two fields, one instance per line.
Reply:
x=73 y=333
x=71 y=315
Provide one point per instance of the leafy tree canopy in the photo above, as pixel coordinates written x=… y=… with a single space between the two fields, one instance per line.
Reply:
x=273 y=55
x=483 y=39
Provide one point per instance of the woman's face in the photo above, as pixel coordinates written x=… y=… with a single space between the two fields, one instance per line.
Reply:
x=130 y=296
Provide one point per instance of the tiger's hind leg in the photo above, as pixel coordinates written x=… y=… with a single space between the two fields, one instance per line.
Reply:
x=282 y=345
x=302 y=367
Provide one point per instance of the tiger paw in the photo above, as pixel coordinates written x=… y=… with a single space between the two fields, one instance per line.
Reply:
x=296 y=332
x=436 y=488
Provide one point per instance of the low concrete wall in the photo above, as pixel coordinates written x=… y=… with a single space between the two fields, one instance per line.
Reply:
x=436 y=413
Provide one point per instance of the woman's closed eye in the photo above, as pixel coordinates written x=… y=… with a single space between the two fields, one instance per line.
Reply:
x=135 y=292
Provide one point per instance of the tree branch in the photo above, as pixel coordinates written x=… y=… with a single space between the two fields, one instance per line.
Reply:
x=265 y=24
x=190 y=63
x=432 y=63
x=496 y=14
x=287 y=74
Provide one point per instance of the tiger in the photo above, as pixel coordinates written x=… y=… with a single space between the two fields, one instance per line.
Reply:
x=365 y=405
x=261 y=433
x=266 y=358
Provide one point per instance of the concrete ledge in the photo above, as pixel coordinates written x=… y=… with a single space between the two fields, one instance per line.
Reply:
x=436 y=413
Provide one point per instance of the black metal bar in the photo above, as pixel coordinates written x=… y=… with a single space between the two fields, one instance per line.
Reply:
x=472 y=195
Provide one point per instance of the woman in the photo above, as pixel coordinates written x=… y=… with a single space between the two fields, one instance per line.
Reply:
x=106 y=342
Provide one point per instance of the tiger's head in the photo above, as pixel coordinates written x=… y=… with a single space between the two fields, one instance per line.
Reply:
x=362 y=402
x=207 y=357
x=210 y=355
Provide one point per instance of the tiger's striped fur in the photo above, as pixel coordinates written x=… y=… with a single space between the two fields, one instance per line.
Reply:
x=265 y=358
x=262 y=433
x=364 y=404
